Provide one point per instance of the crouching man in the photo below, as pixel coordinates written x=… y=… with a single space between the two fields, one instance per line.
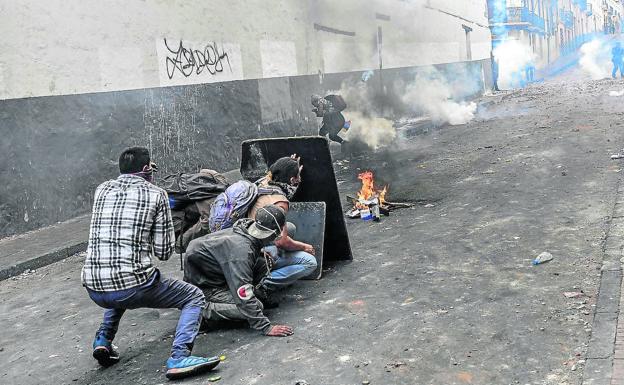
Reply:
x=131 y=224
x=228 y=264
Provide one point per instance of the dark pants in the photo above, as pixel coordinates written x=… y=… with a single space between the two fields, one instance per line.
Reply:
x=158 y=293
x=333 y=123
x=617 y=66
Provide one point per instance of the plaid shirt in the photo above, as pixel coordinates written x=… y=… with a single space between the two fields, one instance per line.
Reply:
x=131 y=222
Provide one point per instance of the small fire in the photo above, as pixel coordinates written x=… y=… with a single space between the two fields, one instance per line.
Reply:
x=368 y=192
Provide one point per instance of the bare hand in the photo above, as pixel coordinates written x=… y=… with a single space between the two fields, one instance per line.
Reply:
x=280 y=331
x=309 y=249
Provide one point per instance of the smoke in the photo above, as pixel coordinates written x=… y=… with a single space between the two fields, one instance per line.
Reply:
x=596 y=58
x=364 y=111
x=515 y=62
x=375 y=132
x=432 y=94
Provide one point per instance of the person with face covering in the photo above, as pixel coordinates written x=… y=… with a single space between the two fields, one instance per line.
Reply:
x=292 y=259
x=228 y=265
x=131 y=224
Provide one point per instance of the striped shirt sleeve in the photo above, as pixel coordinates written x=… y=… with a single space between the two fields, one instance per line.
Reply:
x=163 y=232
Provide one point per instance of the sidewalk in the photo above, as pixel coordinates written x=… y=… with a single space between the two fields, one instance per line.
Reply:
x=43 y=247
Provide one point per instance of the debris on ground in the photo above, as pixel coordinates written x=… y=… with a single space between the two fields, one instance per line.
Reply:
x=394 y=365
x=573 y=294
x=542 y=258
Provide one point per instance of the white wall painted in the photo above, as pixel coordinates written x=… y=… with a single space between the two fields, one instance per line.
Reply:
x=57 y=47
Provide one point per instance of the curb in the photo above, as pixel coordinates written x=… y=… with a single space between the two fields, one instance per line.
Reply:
x=42 y=260
x=602 y=366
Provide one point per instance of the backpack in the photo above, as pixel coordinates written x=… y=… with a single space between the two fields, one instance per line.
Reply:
x=337 y=102
x=184 y=188
x=234 y=203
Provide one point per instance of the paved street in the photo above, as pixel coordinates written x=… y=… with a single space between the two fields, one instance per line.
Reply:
x=442 y=293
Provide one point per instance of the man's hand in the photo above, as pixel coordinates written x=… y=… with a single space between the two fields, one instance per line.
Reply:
x=309 y=249
x=280 y=331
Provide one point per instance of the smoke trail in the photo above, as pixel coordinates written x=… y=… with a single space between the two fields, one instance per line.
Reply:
x=432 y=94
x=596 y=58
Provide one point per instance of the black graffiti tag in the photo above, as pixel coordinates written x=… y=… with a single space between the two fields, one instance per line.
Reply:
x=188 y=60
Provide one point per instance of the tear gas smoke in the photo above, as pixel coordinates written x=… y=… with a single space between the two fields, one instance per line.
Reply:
x=366 y=126
x=515 y=60
x=375 y=132
x=596 y=59
x=432 y=94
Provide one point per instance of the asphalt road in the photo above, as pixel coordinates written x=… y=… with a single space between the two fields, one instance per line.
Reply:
x=441 y=293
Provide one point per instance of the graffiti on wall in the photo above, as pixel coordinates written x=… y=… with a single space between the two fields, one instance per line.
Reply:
x=185 y=62
x=189 y=61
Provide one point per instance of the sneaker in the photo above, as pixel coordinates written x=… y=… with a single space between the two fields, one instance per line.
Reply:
x=104 y=351
x=189 y=366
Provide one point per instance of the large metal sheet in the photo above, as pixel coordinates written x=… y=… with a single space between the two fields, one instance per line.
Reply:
x=309 y=217
x=318 y=182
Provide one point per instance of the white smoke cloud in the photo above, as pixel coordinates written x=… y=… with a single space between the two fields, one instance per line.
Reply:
x=595 y=59
x=373 y=131
x=366 y=126
x=432 y=94
x=513 y=59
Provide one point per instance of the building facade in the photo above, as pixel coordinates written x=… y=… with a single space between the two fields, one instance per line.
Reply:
x=552 y=28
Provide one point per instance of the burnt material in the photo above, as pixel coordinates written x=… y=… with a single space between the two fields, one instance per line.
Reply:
x=318 y=182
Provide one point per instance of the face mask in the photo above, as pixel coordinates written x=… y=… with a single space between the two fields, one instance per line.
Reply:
x=148 y=172
x=288 y=189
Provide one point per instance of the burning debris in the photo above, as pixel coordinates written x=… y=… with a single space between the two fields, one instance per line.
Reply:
x=370 y=203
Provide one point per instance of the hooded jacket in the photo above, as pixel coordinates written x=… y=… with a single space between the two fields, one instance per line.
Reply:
x=231 y=259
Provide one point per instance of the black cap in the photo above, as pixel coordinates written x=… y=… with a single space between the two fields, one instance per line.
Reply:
x=269 y=222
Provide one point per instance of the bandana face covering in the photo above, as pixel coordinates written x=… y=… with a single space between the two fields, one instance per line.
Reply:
x=148 y=172
x=289 y=190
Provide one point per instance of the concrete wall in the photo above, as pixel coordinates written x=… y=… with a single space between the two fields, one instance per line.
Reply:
x=81 y=80
x=57 y=47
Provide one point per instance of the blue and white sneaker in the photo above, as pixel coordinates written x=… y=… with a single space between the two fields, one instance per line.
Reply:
x=189 y=366
x=104 y=351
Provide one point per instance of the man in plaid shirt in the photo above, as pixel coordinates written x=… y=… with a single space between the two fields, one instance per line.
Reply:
x=132 y=223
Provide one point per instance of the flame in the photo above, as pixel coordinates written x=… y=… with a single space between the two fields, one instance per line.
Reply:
x=368 y=190
x=382 y=195
x=368 y=185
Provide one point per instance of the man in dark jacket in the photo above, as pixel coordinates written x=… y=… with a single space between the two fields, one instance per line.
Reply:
x=228 y=266
x=330 y=109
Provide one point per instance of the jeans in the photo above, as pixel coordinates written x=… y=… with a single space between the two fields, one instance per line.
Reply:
x=617 y=66
x=289 y=267
x=157 y=293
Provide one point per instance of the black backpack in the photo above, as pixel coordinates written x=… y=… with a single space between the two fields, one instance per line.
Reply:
x=184 y=188
x=337 y=102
